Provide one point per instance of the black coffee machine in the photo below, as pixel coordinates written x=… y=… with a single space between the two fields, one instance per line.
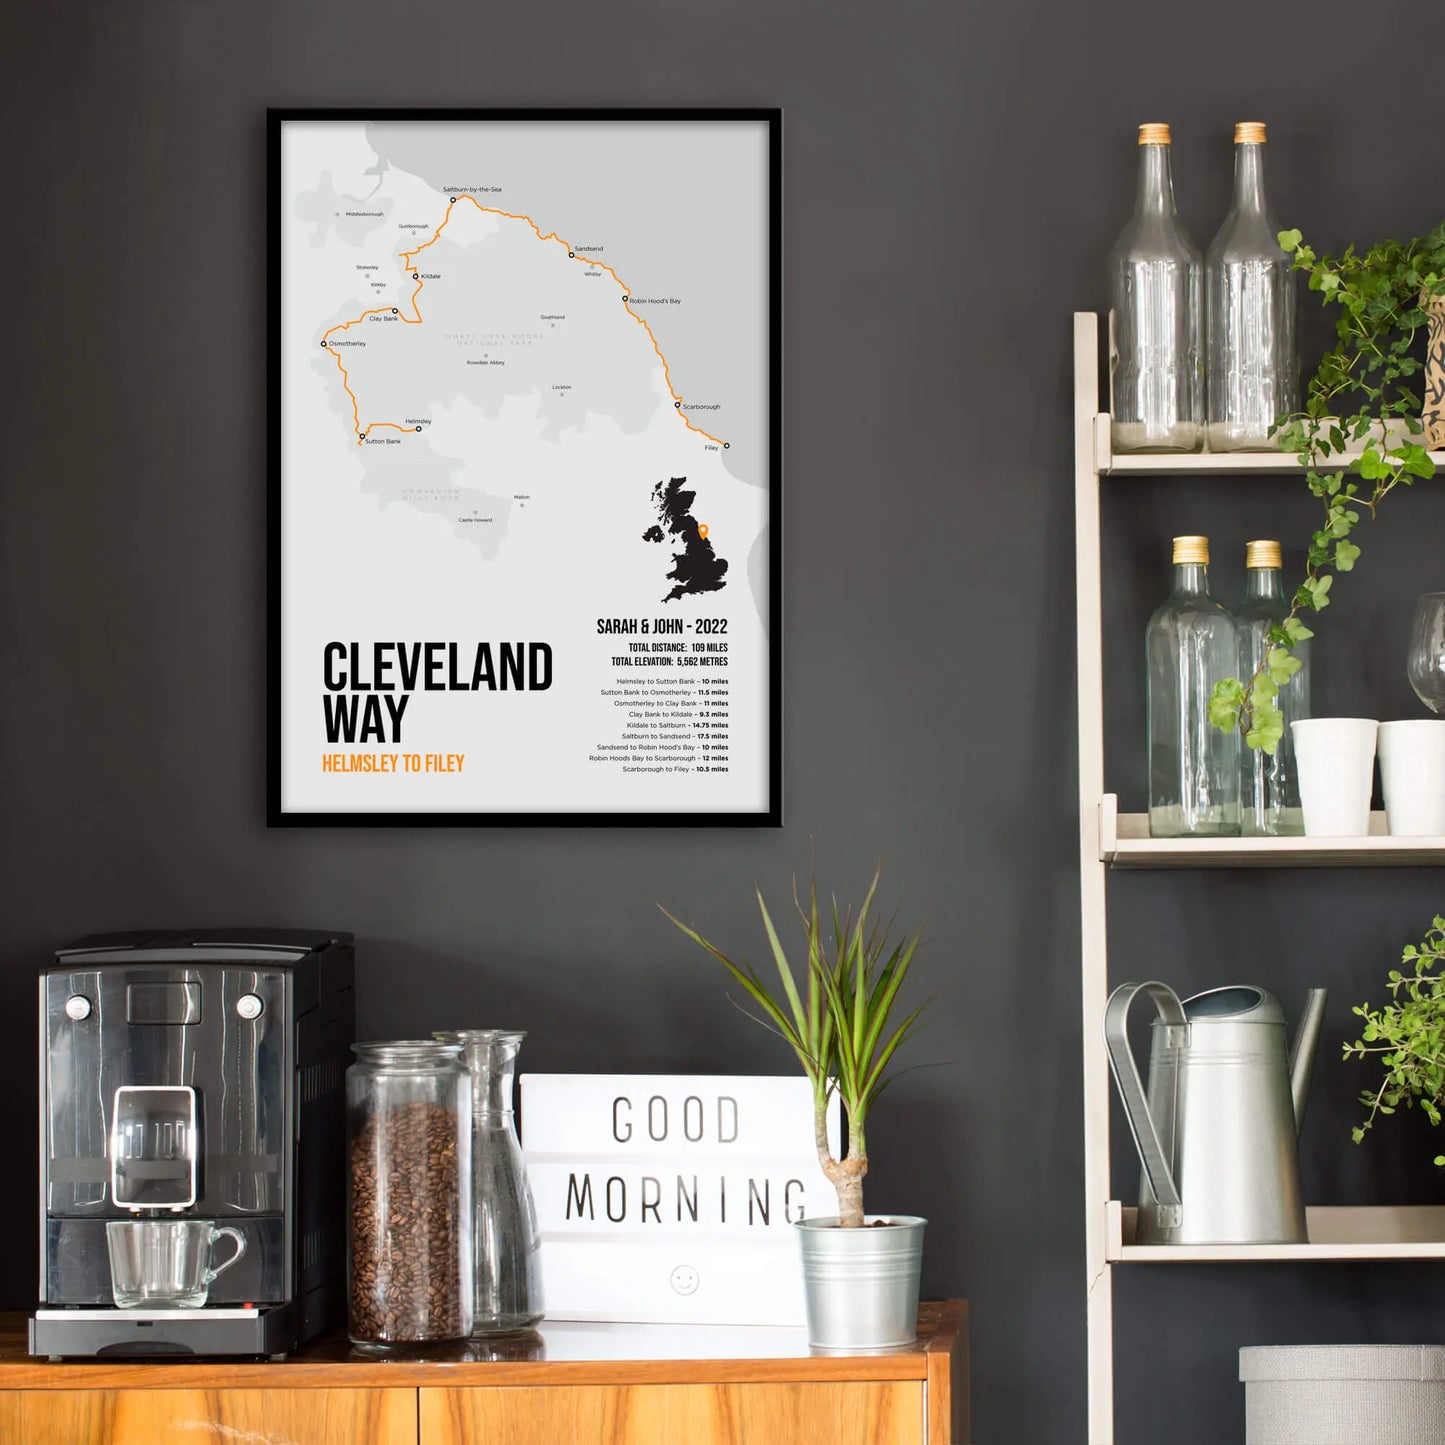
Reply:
x=194 y=1076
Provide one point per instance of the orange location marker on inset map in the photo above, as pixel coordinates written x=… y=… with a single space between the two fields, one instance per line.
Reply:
x=702 y=531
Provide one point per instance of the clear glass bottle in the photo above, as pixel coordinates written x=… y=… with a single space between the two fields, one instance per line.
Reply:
x=507 y=1274
x=1190 y=645
x=408 y=1135
x=1156 y=322
x=1253 y=366
x=1270 y=806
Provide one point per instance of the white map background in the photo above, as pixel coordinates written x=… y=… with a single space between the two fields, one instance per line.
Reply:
x=517 y=512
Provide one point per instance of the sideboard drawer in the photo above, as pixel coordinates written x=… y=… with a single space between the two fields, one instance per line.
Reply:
x=840 y=1412
x=208 y=1417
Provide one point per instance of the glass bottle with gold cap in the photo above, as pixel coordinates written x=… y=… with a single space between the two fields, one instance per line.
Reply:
x=1156 y=320
x=1253 y=368
x=1191 y=644
x=1270 y=806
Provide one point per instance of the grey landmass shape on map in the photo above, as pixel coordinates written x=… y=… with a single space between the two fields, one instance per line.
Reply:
x=505 y=316
x=326 y=212
x=716 y=341
x=758 y=568
x=414 y=474
x=419 y=477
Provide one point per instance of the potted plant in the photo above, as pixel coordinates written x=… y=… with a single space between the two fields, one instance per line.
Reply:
x=1408 y=1035
x=839 y=1012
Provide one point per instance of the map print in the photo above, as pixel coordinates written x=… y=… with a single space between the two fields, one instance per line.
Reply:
x=504 y=282
x=524 y=389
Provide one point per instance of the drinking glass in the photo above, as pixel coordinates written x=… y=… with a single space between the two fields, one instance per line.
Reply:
x=1427 y=651
x=166 y=1263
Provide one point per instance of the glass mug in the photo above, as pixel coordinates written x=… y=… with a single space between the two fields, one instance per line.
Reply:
x=166 y=1263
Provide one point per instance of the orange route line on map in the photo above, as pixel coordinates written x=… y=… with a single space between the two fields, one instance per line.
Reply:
x=362 y=432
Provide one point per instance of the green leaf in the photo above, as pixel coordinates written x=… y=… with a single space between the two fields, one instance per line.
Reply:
x=1415 y=459
x=1371 y=466
x=1282 y=664
x=785 y=971
x=875 y=1080
x=1289 y=240
x=1345 y=554
x=1224 y=704
x=1267 y=727
x=881 y=1004
x=1296 y=629
x=749 y=981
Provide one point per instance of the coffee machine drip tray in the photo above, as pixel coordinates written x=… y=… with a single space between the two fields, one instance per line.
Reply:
x=204 y=1313
x=174 y=1333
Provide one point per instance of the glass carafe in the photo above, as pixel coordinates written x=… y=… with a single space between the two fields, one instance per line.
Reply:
x=507 y=1296
x=1271 y=803
x=1156 y=317
x=1191 y=644
x=1253 y=367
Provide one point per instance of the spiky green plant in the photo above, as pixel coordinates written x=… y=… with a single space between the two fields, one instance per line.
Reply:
x=837 y=1015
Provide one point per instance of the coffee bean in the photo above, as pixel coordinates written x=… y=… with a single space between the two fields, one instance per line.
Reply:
x=406 y=1226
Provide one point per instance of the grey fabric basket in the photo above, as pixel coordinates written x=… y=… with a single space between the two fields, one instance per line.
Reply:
x=1343 y=1394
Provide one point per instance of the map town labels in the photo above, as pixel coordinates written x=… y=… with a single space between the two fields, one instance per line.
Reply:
x=523 y=513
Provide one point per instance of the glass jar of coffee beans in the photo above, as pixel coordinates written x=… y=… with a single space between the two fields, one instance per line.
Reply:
x=408 y=1119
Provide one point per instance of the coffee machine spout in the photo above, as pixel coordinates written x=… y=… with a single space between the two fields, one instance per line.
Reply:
x=1303 y=1050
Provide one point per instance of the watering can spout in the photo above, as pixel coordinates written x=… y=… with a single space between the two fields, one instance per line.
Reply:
x=1303 y=1050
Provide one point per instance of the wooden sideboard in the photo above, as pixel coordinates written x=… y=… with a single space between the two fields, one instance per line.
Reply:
x=592 y=1384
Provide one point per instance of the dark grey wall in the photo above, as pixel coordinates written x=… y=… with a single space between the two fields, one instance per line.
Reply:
x=955 y=175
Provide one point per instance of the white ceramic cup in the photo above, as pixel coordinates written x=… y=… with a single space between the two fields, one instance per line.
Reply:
x=1412 y=773
x=1335 y=757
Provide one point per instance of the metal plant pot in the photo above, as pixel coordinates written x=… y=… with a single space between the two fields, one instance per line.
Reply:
x=862 y=1284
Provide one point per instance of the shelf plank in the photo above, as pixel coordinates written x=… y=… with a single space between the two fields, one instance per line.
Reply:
x=1219 y=464
x=1124 y=842
x=1336 y=1233
x=1205 y=464
x=1211 y=464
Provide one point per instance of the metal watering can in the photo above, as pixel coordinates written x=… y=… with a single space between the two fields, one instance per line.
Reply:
x=1217 y=1134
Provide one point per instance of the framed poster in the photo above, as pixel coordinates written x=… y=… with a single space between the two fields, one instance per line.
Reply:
x=525 y=453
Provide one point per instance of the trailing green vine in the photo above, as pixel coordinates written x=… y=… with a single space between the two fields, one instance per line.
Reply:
x=1382 y=295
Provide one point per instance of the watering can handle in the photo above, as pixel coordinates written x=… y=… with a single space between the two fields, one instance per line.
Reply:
x=1152 y=1153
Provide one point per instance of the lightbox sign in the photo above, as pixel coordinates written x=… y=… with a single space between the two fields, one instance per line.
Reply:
x=670 y=1198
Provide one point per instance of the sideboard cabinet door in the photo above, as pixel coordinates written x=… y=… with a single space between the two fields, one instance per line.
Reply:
x=208 y=1417
x=839 y=1412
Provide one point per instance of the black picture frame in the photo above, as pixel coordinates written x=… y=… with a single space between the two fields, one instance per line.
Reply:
x=769 y=816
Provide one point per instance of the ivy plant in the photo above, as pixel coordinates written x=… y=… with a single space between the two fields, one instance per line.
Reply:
x=1408 y=1035
x=1361 y=400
